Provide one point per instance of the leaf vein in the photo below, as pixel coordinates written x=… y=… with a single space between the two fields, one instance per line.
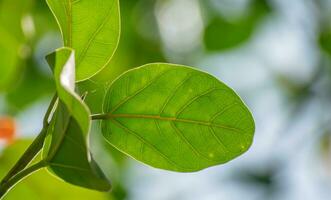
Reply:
x=186 y=141
x=95 y=33
x=175 y=91
x=195 y=98
x=218 y=139
x=204 y=123
x=138 y=91
x=212 y=119
x=67 y=166
x=123 y=127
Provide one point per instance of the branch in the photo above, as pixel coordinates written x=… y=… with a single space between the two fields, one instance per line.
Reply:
x=99 y=116
x=19 y=176
x=33 y=149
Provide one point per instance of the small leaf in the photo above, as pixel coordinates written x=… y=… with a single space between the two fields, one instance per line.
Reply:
x=91 y=28
x=66 y=148
x=176 y=118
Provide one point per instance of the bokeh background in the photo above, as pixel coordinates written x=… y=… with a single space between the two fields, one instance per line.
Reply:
x=275 y=53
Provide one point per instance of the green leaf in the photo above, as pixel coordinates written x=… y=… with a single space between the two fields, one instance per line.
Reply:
x=176 y=118
x=66 y=150
x=91 y=28
x=133 y=50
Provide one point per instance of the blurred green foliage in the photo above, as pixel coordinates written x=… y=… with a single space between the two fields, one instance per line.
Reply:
x=325 y=41
x=12 y=37
x=23 y=25
x=223 y=33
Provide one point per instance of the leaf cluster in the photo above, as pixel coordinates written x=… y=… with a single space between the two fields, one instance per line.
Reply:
x=167 y=116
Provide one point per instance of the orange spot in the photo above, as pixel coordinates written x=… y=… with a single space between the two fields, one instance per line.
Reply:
x=7 y=129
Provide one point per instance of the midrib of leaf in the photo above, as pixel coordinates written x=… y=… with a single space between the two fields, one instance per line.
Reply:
x=171 y=119
x=67 y=166
x=68 y=10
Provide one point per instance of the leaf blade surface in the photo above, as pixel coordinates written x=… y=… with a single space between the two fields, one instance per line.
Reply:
x=176 y=118
x=91 y=28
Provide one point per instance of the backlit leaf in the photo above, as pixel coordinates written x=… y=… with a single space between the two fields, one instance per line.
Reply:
x=91 y=28
x=176 y=118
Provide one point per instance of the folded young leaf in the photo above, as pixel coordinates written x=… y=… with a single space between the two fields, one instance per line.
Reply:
x=91 y=28
x=176 y=118
x=66 y=149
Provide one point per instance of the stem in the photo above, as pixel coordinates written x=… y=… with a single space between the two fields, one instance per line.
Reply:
x=33 y=149
x=99 y=116
x=19 y=176
x=49 y=111
x=27 y=157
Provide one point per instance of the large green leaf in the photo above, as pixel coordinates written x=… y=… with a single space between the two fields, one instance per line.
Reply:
x=91 y=28
x=66 y=150
x=176 y=118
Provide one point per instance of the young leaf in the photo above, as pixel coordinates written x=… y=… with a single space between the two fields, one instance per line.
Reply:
x=176 y=118
x=91 y=28
x=66 y=150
